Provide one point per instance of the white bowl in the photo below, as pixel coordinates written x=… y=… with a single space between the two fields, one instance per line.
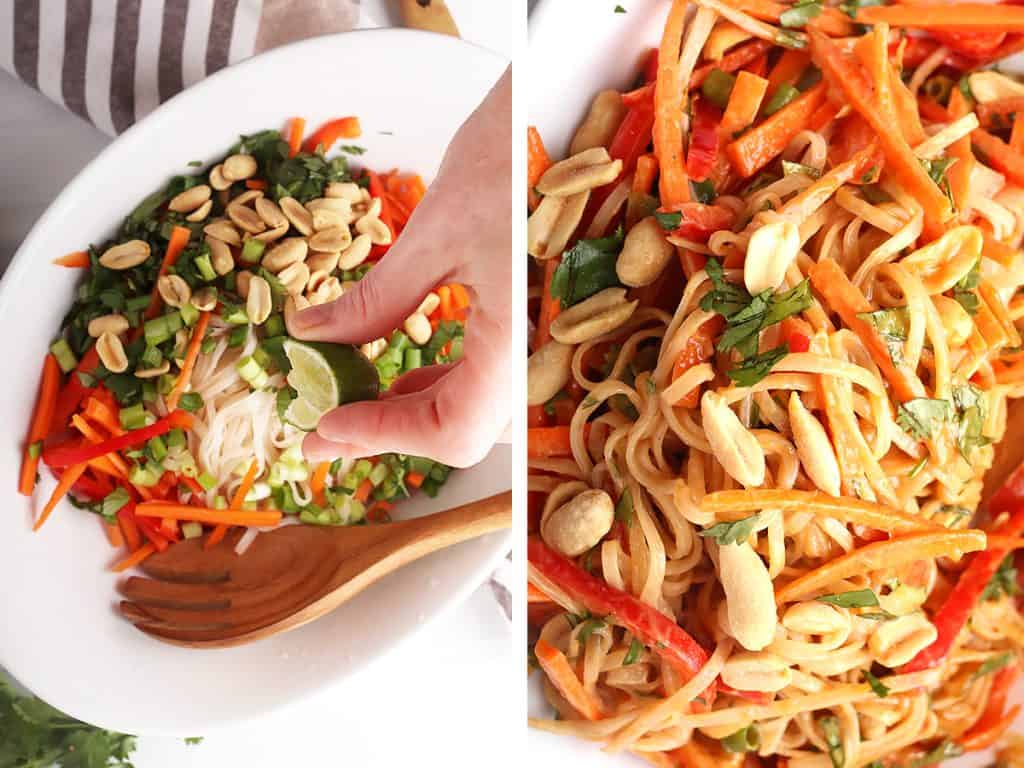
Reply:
x=576 y=50
x=59 y=633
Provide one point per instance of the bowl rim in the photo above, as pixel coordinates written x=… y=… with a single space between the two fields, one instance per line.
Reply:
x=20 y=268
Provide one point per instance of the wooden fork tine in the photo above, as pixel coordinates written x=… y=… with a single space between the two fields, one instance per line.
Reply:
x=169 y=594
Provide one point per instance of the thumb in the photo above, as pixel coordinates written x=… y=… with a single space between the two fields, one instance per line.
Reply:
x=378 y=303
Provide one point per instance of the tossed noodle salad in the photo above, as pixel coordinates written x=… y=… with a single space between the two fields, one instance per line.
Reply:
x=775 y=320
x=173 y=404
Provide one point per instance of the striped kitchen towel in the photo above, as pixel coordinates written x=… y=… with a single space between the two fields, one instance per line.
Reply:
x=113 y=61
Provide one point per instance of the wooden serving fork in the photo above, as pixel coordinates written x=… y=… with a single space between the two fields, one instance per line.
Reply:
x=290 y=576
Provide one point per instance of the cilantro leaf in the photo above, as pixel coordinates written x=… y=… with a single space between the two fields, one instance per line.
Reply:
x=586 y=269
x=970 y=419
x=755 y=368
x=857 y=598
x=735 y=532
x=963 y=291
x=635 y=649
x=891 y=325
x=624 y=508
x=1003 y=581
x=921 y=416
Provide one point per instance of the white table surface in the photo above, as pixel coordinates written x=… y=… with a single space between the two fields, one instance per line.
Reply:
x=454 y=691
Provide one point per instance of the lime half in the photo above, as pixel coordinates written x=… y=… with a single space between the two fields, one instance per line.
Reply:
x=325 y=376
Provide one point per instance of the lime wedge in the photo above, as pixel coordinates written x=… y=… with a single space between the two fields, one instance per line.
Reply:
x=325 y=376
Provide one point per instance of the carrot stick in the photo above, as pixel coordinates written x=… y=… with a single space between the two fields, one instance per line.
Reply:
x=130 y=531
x=645 y=174
x=191 y=355
x=544 y=442
x=745 y=100
x=175 y=246
x=296 y=127
x=39 y=426
x=68 y=479
x=787 y=70
x=257 y=518
x=549 y=306
x=318 y=481
x=236 y=503
x=134 y=558
x=831 y=21
x=735 y=505
x=668 y=108
x=414 y=479
x=883 y=554
x=255 y=184
x=1017 y=134
x=959 y=174
x=764 y=142
x=1000 y=155
x=537 y=161
x=74 y=260
x=844 y=73
x=872 y=50
x=98 y=411
x=460 y=296
x=113 y=534
x=847 y=301
x=562 y=676
x=962 y=17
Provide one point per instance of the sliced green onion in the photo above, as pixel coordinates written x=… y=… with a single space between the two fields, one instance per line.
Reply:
x=189 y=314
x=800 y=14
x=421 y=465
x=148 y=391
x=399 y=341
x=220 y=503
x=151 y=358
x=744 y=740
x=145 y=477
x=34 y=449
x=207 y=345
x=208 y=481
x=274 y=326
x=784 y=94
x=160 y=329
x=238 y=336
x=260 y=356
x=191 y=401
x=235 y=315
x=205 y=267
x=176 y=438
x=191 y=530
x=133 y=417
x=252 y=372
x=252 y=251
x=413 y=359
x=65 y=357
x=717 y=87
x=113 y=502
x=157 y=449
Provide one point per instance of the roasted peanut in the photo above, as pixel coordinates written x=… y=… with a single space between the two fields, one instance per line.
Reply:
x=584 y=171
x=749 y=595
x=125 y=255
x=548 y=370
x=602 y=121
x=772 y=248
x=737 y=449
x=174 y=291
x=579 y=524
x=814 y=447
x=765 y=672
x=896 y=642
x=603 y=312
x=115 y=324
x=111 y=353
x=190 y=199
x=645 y=253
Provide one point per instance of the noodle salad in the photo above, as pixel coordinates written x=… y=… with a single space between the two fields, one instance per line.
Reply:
x=774 y=311
x=173 y=404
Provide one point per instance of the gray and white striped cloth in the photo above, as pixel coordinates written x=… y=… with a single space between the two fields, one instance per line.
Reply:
x=113 y=61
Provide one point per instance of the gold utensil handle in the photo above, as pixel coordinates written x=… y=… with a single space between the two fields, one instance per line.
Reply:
x=429 y=15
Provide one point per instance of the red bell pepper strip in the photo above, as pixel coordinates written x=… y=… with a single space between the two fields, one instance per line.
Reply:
x=738 y=57
x=976 y=45
x=703 y=149
x=73 y=391
x=65 y=456
x=328 y=133
x=993 y=721
x=953 y=614
x=653 y=628
x=650 y=69
x=701 y=220
x=150 y=527
x=92 y=489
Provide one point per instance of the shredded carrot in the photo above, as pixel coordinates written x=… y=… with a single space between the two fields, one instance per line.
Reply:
x=645 y=174
x=764 y=142
x=883 y=554
x=848 y=302
x=114 y=536
x=831 y=21
x=845 y=74
x=1017 y=134
x=699 y=348
x=1000 y=155
x=74 y=260
x=745 y=100
x=414 y=479
x=175 y=245
x=98 y=411
x=68 y=479
x=961 y=17
x=236 y=503
x=263 y=518
x=39 y=426
x=255 y=184
x=735 y=505
x=191 y=355
x=787 y=70
x=363 y=491
x=318 y=482
x=537 y=162
x=873 y=52
x=560 y=672
x=545 y=442
x=959 y=174
x=668 y=106
x=296 y=128
x=135 y=558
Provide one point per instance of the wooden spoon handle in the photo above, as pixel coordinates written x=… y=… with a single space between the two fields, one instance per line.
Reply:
x=423 y=535
x=429 y=16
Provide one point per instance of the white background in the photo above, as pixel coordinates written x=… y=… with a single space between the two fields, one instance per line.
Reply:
x=454 y=691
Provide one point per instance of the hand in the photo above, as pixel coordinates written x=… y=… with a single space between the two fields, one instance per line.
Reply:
x=460 y=232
